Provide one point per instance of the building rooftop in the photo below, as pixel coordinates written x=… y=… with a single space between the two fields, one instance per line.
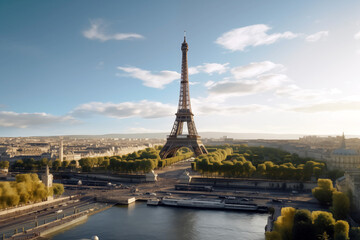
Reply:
x=342 y=151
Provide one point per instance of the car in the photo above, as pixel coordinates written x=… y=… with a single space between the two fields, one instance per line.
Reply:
x=152 y=194
x=59 y=211
x=169 y=194
x=277 y=200
x=245 y=199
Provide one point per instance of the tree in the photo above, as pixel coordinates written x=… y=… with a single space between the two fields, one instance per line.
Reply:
x=4 y=164
x=323 y=223
x=341 y=230
x=105 y=163
x=57 y=164
x=19 y=164
x=26 y=188
x=65 y=164
x=323 y=192
x=44 y=162
x=272 y=235
x=58 y=189
x=303 y=228
x=284 y=224
x=261 y=169
x=340 y=205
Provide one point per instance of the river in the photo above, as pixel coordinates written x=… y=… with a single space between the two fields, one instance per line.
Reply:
x=140 y=222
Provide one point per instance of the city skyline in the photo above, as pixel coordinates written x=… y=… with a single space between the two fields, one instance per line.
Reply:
x=91 y=68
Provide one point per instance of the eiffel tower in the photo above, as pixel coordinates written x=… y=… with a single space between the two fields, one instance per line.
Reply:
x=177 y=139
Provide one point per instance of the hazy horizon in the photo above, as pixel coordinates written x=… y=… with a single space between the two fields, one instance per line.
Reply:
x=215 y=135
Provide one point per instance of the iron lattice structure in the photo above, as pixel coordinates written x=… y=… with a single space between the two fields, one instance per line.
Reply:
x=177 y=139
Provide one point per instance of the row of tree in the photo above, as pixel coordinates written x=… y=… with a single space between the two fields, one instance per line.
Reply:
x=169 y=161
x=326 y=194
x=26 y=189
x=289 y=171
x=138 y=161
x=231 y=165
x=223 y=163
x=141 y=161
x=261 y=154
x=302 y=224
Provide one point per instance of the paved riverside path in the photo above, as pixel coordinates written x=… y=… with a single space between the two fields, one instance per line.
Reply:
x=8 y=229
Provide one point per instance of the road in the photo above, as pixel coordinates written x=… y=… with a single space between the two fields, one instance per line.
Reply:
x=10 y=225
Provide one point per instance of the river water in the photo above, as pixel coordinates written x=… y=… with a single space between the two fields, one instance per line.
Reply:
x=140 y=222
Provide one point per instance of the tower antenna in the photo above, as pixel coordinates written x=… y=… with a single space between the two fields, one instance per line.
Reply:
x=184 y=36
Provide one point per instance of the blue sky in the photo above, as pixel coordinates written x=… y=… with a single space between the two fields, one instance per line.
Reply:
x=96 y=67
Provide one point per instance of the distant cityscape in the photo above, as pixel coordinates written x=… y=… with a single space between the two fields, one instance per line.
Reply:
x=330 y=149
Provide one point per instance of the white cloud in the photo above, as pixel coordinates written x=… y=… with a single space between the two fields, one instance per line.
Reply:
x=194 y=83
x=25 y=120
x=256 y=68
x=209 y=68
x=212 y=106
x=209 y=83
x=97 y=32
x=330 y=106
x=357 y=36
x=143 y=109
x=247 y=87
x=154 y=80
x=254 y=35
x=317 y=36
x=295 y=92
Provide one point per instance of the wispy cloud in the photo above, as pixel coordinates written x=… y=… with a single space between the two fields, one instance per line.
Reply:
x=25 y=120
x=143 y=109
x=263 y=83
x=254 y=35
x=154 y=80
x=97 y=31
x=256 y=68
x=295 y=92
x=209 y=68
x=329 y=106
x=317 y=36
x=357 y=36
x=211 y=106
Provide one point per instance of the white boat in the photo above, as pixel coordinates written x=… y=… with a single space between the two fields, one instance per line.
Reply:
x=200 y=204
x=169 y=202
x=210 y=204
x=241 y=207
x=152 y=202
